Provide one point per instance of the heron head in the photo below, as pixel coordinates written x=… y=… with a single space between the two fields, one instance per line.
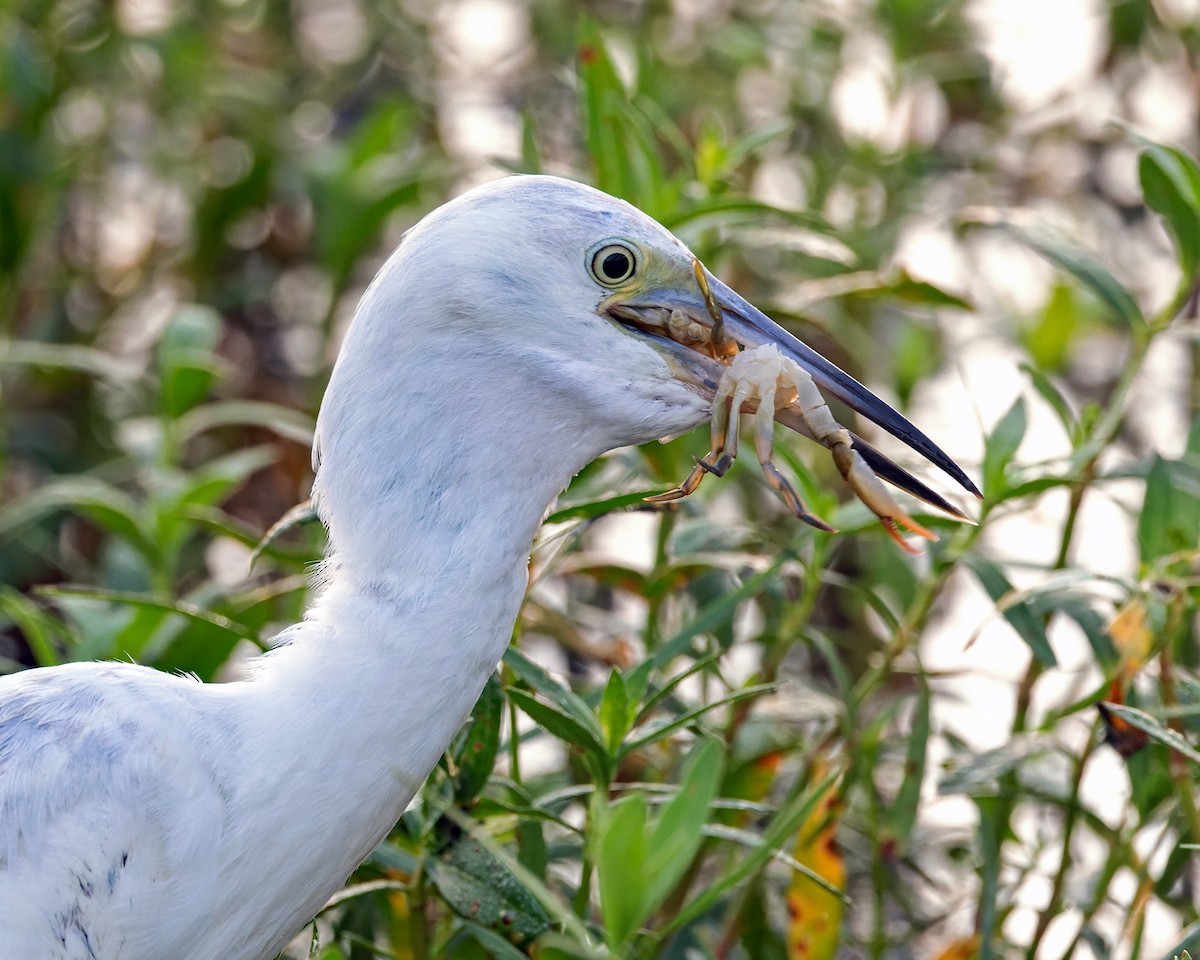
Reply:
x=544 y=292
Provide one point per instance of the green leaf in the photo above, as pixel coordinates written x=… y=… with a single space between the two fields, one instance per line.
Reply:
x=218 y=478
x=1050 y=336
x=351 y=208
x=1150 y=779
x=696 y=666
x=532 y=852
x=480 y=742
x=906 y=288
x=717 y=613
x=1169 y=738
x=1084 y=268
x=560 y=912
x=365 y=889
x=92 y=625
x=752 y=141
x=1019 y=613
x=37 y=627
x=598 y=508
x=531 y=157
x=565 y=699
x=980 y=775
x=107 y=506
x=637 y=683
x=149 y=631
x=1002 y=446
x=604 y=97
x=566 y=727
x=187 y=363
x=118 y=371
x=1051 y=394
x=752 y=841
x=497 y=947
x=491 y=805
x=1170 y=182
x=287 y=423
x=232 y=630
x=300 y=515
x=901 y=813
x=781 y=831
x=481 y=888
x=1192 y=450
x=727 y=211
x=1170 y=518
x=616 y=717
x=1080 y=607
x=992 y=828
x=653 y=732
x=621 y=864
x=553 y=946
x=678 y=831
x=1029 y=488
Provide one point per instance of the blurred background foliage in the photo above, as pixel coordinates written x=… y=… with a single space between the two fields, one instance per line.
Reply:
x=736 y=737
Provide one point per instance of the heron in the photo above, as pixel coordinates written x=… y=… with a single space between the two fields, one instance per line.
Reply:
x=517 y=333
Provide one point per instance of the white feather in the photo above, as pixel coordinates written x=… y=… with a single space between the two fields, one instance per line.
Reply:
x=145 y=816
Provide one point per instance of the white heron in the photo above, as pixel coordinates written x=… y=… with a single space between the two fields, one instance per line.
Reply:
x=517 y=333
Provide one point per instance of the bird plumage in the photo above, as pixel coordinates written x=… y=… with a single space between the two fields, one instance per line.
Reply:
x=145 y=816
x=92 y=804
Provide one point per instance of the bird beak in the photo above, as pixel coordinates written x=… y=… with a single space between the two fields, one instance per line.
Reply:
x=700 y=328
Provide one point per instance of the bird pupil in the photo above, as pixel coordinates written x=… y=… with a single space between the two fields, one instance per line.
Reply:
x=615 y=266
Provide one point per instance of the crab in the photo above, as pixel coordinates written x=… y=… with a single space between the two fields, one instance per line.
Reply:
x=761 y=381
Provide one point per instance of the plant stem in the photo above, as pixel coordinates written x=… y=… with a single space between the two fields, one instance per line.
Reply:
x=1054 y=905
x=418 y=934
x=1181 y=778
x=928 y=592
x=1103 y=433
x=651 y=633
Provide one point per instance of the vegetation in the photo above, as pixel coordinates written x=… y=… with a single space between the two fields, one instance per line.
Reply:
x=735 y=736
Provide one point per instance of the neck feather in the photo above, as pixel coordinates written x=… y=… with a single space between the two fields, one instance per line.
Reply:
x=431 y=520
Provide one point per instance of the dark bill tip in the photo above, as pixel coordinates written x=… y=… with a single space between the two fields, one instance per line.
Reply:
x=751 y=326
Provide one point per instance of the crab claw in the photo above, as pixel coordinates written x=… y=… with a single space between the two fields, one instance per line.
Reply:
x=730 y=351
x=763 y=381
x=871 y=491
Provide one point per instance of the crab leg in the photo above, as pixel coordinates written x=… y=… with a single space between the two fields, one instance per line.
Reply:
x=751 y=384
x=764 y=445
x=718 y=459
x=854 y=470
x=763 y=381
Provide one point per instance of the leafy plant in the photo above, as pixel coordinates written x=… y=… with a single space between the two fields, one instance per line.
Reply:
x=729 y=738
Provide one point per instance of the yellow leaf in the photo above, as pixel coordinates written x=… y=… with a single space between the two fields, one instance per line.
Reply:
x=964 y=948
x=752 y=781
x=816 y=914
x=1131 y=636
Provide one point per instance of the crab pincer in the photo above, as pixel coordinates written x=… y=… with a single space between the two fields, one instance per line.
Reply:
x=762 y=381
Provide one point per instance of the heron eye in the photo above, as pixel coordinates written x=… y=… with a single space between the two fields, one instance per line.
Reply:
x=614 y=263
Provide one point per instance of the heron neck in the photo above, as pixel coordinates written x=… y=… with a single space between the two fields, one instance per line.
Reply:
x=431 y=521
x=430 y=491
x=431 y=529
x=431 y=517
